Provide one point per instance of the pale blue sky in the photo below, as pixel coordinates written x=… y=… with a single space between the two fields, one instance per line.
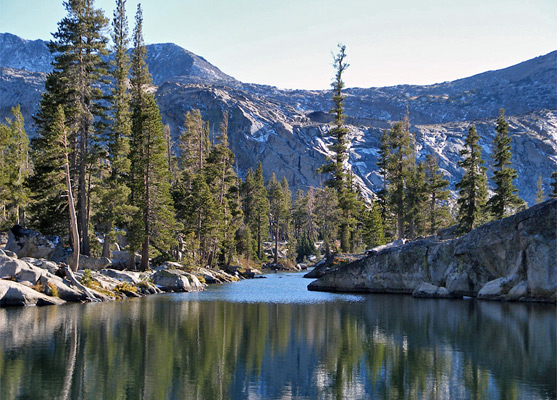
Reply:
x=288 y=43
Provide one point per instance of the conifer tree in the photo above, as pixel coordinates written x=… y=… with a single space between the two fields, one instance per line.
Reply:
x=194 y=146
x=276 y=210
x=473 y=186
x=260 y=220
x=415 y=201
x=553 y=193
x=76 y=83
x=383 y=164
x=114 y=210
x=398 y=169
x=155 y=223
x=540 y=195
x=49 y=209
x=222 y=180
x=327 y=215
x=340 y=180
x=505 y=200
x=373 y=233
x=16 y=168
x=436 y=187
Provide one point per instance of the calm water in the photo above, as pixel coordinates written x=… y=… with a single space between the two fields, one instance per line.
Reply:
x=272 y=339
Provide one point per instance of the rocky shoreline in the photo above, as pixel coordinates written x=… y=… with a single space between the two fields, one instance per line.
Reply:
x=32 y=273
x=513 y=259
x=31 y=281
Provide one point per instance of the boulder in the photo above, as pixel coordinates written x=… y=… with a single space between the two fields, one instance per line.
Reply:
x=121 y=260
x=10 y=267
x=519 y=291
x=16 y=294
x=123 y=276
x=497 y=288
x=427 y=290
x=28 y=243
x=50 y=266
x=92 y=263
x=65 y=291
x=173 y=280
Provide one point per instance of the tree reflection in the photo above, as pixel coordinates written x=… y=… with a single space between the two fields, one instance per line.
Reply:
x=384 y=347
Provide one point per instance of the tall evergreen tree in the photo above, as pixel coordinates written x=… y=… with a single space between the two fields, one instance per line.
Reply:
x=276 y=211
x=398 y=170
x=222 y=180
x=340 y=180
x=49 y=209
x=436 y=187
x=540 y=195
x=76 y=83
x=114 y=210
x=260 y=215
x=505 y=200
x=150 y=185
x=473 y=186
x=16 y=168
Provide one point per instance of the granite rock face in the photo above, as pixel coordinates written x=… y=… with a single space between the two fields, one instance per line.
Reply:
x=288 y=130
x=510 y=259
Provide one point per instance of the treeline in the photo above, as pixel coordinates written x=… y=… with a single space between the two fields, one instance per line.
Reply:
x=98 y=123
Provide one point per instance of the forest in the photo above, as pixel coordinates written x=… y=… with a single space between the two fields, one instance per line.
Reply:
x=100 y=139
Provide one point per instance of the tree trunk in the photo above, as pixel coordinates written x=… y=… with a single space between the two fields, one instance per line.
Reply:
x=106 y=244
x=276 y=244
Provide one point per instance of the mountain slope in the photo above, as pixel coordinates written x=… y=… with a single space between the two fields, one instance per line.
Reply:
x=287 y=129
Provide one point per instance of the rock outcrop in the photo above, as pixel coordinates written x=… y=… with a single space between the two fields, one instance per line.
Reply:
x=28 y=243
x=17 y=294
x=510 y=259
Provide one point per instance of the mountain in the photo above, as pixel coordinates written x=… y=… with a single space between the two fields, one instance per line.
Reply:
x=287 y=129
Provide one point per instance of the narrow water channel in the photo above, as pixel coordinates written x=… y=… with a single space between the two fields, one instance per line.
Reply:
x=272 y=339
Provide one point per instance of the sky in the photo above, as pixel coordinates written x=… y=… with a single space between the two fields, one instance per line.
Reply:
x=290 y=43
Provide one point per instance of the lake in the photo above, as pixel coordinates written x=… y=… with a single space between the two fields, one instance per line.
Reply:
x=273 y=339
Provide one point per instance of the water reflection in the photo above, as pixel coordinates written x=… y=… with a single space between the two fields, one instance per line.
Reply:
x=381 y=347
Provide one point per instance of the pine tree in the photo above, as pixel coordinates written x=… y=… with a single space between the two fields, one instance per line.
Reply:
x=155 y=225
x=383 y=164
x=276 y=211
x=398 y=170
x=49 y=209
x=340 y=180
x=76 y=83
x=260 y=220
x=222 y=180
x=114 y=192
x=16 y=168
x=373 y=233
x=415 y=201
x=194 y=146
x=436 y=187
x=327 y=214
x=473 y=186
x=540 y=195
x=505 y=200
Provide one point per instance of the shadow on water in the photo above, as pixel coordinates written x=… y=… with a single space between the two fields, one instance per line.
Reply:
x=201 y=346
